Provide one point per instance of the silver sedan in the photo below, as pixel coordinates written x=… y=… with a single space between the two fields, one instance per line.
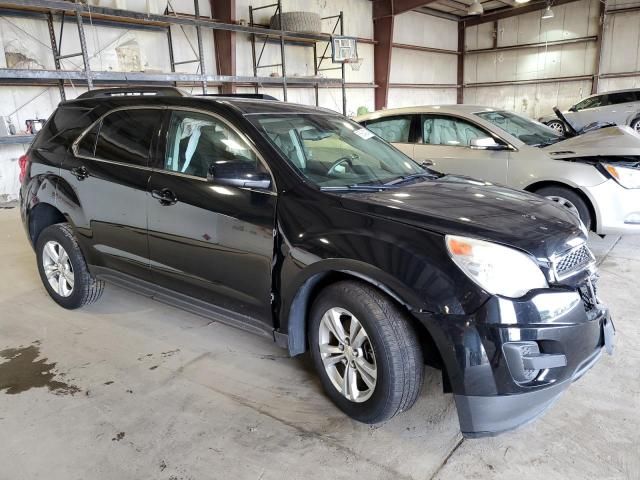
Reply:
x=596 y=175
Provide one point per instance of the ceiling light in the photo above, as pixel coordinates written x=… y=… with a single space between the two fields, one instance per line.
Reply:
x=548 y=13
x=475 y=8
x=523 y=1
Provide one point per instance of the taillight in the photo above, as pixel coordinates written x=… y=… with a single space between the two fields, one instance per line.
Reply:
x=22 y=163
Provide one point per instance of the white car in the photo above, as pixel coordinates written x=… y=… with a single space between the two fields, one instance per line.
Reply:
x=596 y=175
x=621 y=107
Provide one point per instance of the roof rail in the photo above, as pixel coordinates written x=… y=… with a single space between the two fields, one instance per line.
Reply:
x=255 y=96
x=132 y=91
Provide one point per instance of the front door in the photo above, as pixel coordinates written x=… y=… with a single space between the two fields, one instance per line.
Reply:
x=210 y=240
x=108 y=173
x=446 y=142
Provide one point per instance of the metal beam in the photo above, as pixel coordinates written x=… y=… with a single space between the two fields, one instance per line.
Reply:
x=507 y=83
x=507 y=12
x=524 y=46
x=389 y=8
x=425 y=49
x=601 y=19
x=23 y=74
x=225 y=41
x=461 y=48
x=383 y=35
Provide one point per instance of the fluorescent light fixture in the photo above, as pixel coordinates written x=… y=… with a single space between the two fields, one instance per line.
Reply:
x=475 y=8
x=548 y=13
x=523 y=1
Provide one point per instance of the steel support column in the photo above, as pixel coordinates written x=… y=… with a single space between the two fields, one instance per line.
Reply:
x=596 y=72
x=225 y=41
x=383 y=36
x=83 y=47
x=461 y=48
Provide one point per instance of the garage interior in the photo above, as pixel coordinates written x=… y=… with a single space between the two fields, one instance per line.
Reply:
x=132 y=388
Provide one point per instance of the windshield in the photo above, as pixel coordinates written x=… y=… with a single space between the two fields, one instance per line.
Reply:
x=530 y=132
x=332 y=151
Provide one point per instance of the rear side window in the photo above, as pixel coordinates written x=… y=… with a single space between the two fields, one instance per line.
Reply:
x=65 y=125
x=622 y=97
x=392 y=129
x=126 y=136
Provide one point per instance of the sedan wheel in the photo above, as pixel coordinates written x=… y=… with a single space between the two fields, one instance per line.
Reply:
x=58 y=268
x=636 y=125
x=557 y=126
x=347 y=354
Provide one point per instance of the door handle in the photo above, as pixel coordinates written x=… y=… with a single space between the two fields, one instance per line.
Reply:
x=164 y=196
x=80 y=172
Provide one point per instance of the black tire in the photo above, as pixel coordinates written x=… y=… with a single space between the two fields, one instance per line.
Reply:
x=635 y=124
x=558 y=126
x=568 y=194
x=398 y=354
x=309 y=22
x=86 y=289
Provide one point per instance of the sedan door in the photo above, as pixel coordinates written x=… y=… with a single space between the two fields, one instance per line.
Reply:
x=445 y=141
x=211 y=240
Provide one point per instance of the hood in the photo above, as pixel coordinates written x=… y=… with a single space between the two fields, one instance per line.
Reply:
x=463 y=206
x=609 y=141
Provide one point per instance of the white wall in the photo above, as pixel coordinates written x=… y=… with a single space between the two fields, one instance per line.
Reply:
x=574 y=20
x=418 y=67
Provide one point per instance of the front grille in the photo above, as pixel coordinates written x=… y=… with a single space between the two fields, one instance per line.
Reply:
x=572 y=262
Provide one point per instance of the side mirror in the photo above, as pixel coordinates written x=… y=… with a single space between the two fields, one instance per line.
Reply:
x=238 y=174
x=573 y=109
x=486 y=143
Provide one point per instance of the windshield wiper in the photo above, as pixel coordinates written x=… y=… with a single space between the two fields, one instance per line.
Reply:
x=407 y=178
x=356 y=187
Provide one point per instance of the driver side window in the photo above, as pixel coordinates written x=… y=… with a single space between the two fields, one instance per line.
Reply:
x=197 y=141
x=449 y=131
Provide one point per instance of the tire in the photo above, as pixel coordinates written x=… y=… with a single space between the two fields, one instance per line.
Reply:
x=635 y=124
x=297 y=22
x=558 y=126
x=84 y=289
x=391 y=346
x=569 y=199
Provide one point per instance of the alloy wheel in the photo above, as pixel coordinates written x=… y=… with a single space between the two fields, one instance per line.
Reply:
x=557 y=126
x=636 y=126
x=347 y=355
x=58 y=268
x=565 y=203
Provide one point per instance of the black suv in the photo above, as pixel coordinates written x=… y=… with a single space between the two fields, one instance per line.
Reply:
x=298 y=224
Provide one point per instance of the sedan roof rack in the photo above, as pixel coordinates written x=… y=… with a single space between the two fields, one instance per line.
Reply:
x=132 y=91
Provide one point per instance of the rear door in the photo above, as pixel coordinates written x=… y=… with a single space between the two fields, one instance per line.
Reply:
x=590 y=110
x=108 y=174
x=446 y=142
x=396 y=129
x=208 y=240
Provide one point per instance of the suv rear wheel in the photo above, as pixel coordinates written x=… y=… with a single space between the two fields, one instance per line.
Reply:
x=63 y=269
x=570 y=200
x=366 y=352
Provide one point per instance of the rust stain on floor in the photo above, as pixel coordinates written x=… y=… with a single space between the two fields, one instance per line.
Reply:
x=23 y=370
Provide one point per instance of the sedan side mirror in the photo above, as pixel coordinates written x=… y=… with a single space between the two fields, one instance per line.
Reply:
x=486 y=143
x=573 y=109
x=238 y=173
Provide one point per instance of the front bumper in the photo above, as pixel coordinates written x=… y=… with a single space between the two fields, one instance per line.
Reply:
x=617 y=208
x=490 y=393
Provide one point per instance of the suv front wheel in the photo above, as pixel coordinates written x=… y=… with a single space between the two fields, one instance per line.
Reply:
x=63 y=269
x=366 y=352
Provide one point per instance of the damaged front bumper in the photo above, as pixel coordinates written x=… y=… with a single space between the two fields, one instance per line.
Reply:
x=512 y=359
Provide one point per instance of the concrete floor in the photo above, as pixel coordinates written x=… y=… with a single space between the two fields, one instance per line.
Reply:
x=133 y=389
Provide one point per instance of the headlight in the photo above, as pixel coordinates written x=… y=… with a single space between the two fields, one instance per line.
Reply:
x=498 y=270
x=627 y=177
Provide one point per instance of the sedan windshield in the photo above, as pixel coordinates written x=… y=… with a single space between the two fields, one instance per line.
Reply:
x=530 y=132
x=334 y=152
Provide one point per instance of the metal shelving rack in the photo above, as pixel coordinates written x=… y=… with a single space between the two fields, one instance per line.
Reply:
x=49 y=9
x=306 y=40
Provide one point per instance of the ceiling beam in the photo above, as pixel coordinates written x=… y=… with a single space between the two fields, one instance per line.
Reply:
x=507 y=12
x=389 y=8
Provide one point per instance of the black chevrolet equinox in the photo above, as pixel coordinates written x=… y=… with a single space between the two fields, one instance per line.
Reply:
x=300 y=225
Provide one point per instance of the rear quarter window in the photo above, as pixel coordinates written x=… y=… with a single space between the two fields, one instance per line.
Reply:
x=65 y=125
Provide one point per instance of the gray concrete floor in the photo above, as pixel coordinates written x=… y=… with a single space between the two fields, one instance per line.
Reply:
x=133 y=389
